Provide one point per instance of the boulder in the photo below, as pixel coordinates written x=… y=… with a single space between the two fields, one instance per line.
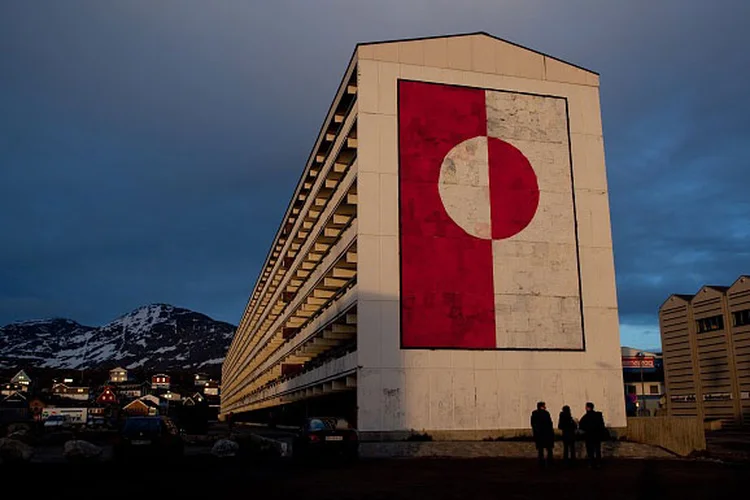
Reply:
x=225 y=448
x=20 y=434
x=78 y=449
x=13 y=450
x=18 y=428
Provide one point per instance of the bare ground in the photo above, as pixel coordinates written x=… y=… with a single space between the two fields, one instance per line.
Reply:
x=411 y=479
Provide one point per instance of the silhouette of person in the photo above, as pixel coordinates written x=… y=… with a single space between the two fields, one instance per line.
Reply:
x=544 y=433
x=592 y=425
x=568 y=425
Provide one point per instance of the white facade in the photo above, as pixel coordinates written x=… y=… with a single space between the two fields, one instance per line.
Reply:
x=474 y=390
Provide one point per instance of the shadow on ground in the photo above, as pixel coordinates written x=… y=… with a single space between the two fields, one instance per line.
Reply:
x=398 y=479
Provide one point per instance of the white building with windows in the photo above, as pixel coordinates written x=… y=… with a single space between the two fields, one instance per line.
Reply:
x=445 y=260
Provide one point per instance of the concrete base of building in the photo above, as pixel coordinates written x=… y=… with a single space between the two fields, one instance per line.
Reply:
x=501 y=449
x=458 y=435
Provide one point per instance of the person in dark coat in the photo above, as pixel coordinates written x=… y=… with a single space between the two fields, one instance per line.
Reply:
x=594 y=430
x=544 y=432
x=568 y=425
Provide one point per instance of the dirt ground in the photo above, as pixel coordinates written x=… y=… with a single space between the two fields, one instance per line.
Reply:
x=411 y=479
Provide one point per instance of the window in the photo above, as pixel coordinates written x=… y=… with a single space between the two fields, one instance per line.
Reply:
x=631 y=389
x=710 y=324
x=741 y=318
x=316 y=425
x=653 y=389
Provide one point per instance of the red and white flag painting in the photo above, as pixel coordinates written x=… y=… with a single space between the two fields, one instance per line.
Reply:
x=488 y=235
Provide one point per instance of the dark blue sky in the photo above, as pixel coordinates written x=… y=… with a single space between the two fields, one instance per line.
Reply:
x=148 y=149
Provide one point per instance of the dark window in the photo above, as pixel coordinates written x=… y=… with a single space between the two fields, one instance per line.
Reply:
x=710 y=324
x=653 y=389
x=631 y=389
x=741 y=318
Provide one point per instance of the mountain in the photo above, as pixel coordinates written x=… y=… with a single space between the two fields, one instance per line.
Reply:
x=153 y=337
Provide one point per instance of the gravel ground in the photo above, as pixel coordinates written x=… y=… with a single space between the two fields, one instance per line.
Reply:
x=400 y=479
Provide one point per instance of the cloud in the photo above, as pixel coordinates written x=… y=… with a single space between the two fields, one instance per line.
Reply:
x=148 y=150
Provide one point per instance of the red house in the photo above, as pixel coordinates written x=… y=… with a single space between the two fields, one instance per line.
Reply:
x=160 y=381
x=107 y=397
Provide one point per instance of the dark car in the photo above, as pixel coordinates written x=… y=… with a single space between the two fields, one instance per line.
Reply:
x=326 y=437
x=149 y=437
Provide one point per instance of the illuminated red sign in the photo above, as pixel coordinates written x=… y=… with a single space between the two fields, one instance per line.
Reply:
x=638 y=362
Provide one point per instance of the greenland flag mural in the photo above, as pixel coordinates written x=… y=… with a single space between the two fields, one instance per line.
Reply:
x=489 y=253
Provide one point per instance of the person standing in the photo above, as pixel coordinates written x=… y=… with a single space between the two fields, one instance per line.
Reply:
x=544 y=433
x=568 y=425
x=594 y=430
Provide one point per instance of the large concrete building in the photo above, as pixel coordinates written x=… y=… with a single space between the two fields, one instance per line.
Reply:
x=706 y=344
x=446 y=259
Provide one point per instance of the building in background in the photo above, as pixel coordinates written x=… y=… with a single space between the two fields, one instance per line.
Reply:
x=66 y=391
x=706 y=345
x=22 y=379
x=161 y=381
x=643 y=375
x=118 y=375
x=446 y=260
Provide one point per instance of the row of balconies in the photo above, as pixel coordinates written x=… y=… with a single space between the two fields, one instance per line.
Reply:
x=289 y=311
x=337 y=212
x=331 y=282
x=327 y=143
x=336 y=375
x=340 y=173
x=336 y=339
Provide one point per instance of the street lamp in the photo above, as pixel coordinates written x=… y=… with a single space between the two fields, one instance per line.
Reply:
x=641 y=357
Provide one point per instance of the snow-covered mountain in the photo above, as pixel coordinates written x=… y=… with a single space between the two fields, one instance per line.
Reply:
x=153 y=337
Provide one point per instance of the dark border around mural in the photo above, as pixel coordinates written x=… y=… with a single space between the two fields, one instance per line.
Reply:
x=400 y=233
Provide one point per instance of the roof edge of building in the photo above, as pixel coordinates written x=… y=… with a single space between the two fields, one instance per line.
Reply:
x=474 y=33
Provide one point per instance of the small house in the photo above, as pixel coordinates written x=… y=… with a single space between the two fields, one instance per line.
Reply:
x=201 y=379
x=10 y=388
x=22 y=379
x=118 y=375
x=171 y=396
x=211 y=388
x=15 y=400
x=141 y=408
x=160 y=381
x=70 y=392
x=133 y=390
x=150 y=397
x=107 y=397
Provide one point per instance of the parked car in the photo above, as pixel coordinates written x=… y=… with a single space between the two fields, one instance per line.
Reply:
x=56 y=422
x=326 y=437
x=149 y=437
x=97 y=422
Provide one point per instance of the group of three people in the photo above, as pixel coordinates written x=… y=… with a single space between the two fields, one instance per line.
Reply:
x=591 y=426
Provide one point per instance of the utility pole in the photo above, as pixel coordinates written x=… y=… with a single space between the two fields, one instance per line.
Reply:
x=641 y=357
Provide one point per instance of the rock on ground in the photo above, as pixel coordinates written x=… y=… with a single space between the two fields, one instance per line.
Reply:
x=81 y=450
x=225 y=448
x=13 y=450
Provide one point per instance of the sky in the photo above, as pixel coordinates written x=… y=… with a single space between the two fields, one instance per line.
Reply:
x=149 y=149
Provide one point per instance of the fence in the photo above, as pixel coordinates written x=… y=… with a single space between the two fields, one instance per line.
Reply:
x=680 y=435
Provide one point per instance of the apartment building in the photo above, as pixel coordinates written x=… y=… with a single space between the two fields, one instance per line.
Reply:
x=445 y=260
x=706 y=344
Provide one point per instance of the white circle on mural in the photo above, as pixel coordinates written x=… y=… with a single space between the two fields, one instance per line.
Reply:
x=488 y=187
x=464 y=187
